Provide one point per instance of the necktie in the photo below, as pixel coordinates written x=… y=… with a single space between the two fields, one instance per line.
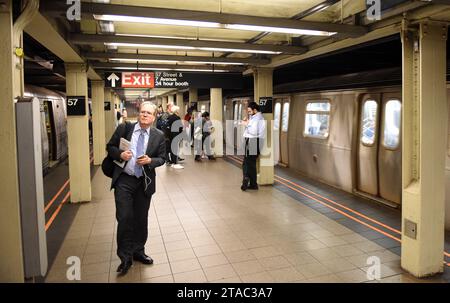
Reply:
x=139 y=152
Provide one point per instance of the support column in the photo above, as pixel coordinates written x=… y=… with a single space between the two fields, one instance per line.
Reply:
x=193 y=96
x=98 y=120
x=263 y=87
x=158 y=101
x=171 y=99
x=180 y=103
x=108 y=114
x=11 y=258
x=164 y=103
x=216 y=109
x=78 y=136
x=424 y=129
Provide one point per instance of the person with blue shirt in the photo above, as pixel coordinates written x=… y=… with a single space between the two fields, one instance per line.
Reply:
x=135 y=183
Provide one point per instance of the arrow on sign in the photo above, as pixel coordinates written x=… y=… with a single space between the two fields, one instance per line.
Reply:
x=113 y=78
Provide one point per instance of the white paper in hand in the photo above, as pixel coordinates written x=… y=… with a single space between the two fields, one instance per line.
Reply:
x=124 y=145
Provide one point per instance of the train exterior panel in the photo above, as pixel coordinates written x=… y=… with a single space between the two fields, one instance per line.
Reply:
x=53 y=125
x=349 y=139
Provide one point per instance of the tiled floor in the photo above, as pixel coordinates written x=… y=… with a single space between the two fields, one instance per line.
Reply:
x=203 y=228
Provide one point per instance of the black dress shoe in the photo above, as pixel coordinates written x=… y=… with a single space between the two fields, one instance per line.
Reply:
x=253 y=187
x=143 y=258
x=124 y=267
x=245 y=182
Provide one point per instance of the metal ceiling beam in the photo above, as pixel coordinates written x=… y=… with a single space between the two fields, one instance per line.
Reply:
x=133 y=66
x=89 y=9
x=89 y=39
x=103 y=55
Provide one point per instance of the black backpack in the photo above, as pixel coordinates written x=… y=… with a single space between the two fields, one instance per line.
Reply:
x=108 y=163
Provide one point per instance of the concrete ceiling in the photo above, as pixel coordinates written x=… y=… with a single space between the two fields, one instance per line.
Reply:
x=347 y=17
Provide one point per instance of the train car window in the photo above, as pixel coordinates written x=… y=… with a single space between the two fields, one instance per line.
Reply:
x=235 y=111
x=285 y=118
x=317 y=119
x=369 y=122
x=392 y=122
x=276 y=116
x=240 y=111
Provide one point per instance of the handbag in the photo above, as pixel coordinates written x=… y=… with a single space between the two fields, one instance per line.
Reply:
x=108 y=167
x=108 y=164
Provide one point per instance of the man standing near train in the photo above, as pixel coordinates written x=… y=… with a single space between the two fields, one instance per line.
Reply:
x=255 y=128
x=134 y=184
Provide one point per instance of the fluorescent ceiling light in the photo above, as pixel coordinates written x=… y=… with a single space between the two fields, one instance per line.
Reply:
x=170 y=69
x=143 y=60
x=156 y=21
x=208 y=49
x=149 y=45
x=245 y=27
x=236 y=50
x=174 y=61
x=184 y=38
x=283 y=30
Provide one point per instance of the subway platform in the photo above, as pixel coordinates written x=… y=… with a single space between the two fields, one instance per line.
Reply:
x=203 y=228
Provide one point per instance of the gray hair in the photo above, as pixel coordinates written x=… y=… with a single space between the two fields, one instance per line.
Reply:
x=152 y=106
x=175 y=109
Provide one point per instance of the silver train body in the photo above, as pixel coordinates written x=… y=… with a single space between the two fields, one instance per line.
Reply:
x=53 y=125
x=347 y=138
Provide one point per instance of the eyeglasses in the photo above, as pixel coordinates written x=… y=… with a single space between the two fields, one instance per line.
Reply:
x=146 y=112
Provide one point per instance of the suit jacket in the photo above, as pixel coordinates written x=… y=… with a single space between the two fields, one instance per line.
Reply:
x=156 y=149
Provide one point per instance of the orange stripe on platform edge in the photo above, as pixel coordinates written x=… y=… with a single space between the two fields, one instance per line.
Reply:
x=56 y=196
x=355 y=219
x=52 y=218
x=343 y=213
x=344 y=207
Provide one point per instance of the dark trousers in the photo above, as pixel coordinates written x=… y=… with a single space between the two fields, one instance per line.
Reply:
x=252 y=151
x=168 y=153
x=249 y=169
x=173 y=152
x=132 y=216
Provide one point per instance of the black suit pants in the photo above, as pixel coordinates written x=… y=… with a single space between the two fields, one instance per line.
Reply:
x=132 y=216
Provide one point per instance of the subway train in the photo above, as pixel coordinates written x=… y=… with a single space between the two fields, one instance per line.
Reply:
x=343 y=131
x=53 y=125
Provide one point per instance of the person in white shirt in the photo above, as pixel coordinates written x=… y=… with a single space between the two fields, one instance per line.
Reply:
x=254 y=134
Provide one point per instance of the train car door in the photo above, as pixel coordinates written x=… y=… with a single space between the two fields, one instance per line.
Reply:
x=368 y=145
x=390 y=152
x=281 y=127
x=379 y=147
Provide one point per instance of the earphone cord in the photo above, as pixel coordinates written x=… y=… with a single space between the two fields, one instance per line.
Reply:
x=147 y=179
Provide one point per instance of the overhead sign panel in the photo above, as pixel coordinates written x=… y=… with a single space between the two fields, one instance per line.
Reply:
x=170 y=80
x=138 y=80
x=173 y=79
x=114 y=80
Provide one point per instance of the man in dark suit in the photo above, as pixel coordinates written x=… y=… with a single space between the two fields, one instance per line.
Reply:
x=134 y=184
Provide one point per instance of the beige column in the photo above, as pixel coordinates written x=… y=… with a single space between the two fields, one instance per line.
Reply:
x=171 y=99
x=424 y=128
x=78 y=136
x=164 y=103
x=193 y=96
x=108 y=114
x=11 y=258
x=180 y=103
x=216 y=109
x=263 y=87
x=98 y=120
x=158 y=101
